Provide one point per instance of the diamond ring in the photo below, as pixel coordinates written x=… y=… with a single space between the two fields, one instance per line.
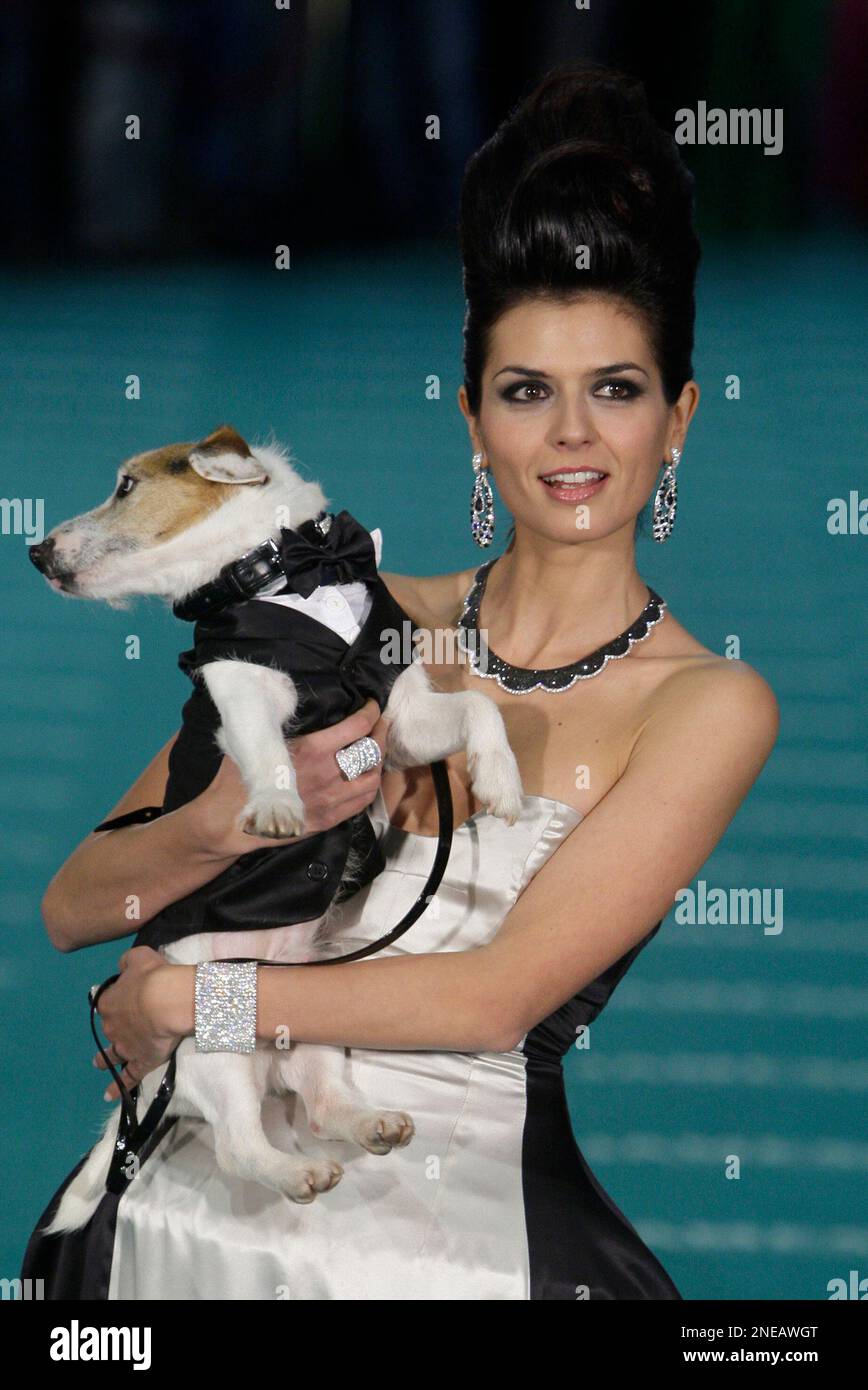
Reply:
x=358 y=757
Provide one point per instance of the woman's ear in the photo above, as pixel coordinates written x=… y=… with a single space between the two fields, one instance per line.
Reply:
x=464 y=407
x=685 y=407
x=224 y=457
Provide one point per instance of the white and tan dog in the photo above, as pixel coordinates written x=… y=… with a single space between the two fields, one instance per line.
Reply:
x=177 y=515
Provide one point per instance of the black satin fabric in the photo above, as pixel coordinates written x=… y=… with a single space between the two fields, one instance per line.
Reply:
x=76 y=1266
x=345 y=554
x=289 y=883
x=581 y=1245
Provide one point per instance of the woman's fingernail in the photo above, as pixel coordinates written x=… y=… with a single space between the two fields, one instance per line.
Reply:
x=108 y=1095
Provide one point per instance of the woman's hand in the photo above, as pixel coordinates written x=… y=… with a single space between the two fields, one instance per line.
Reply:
x=328 y=797
x=142 y=1013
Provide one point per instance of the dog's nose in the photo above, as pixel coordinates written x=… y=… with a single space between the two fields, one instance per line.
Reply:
x=41 y=554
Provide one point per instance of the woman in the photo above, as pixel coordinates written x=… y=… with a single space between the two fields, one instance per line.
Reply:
x=579 y=260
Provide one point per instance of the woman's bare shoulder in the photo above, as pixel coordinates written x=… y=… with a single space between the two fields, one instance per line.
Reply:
x=686 y=685
x=432 y=600
x=680 y=666
x=706 y=691
x=721 y=678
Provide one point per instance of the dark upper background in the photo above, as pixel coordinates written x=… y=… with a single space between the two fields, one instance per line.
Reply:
x=264 y=126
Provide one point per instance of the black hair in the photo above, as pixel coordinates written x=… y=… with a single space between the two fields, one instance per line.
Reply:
x=580 y=162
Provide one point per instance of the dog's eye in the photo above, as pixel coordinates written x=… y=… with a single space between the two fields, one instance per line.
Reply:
x=125 y=485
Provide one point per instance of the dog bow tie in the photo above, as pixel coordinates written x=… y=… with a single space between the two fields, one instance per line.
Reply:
x=314 y=553
x=344 y=555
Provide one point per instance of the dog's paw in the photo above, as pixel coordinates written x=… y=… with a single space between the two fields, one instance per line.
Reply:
x=312 y=1176
x=273 y=815
x=381 y=1131
x=496 y=783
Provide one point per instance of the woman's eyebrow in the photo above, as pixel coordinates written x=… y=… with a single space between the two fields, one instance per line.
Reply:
x=596 y=371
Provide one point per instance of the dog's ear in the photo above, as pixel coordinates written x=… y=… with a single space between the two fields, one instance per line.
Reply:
x=224 y=457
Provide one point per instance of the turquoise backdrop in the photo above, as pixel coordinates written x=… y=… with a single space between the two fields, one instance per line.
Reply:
x=723 y=1039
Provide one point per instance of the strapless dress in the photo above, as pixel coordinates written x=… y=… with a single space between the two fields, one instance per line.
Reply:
x=492 y=1199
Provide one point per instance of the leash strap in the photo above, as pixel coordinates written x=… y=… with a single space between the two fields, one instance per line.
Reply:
x=136 y=1140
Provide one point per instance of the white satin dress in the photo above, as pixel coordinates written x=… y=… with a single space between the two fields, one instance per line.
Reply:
x=490 y=1200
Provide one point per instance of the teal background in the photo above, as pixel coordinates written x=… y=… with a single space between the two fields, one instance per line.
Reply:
x=721 y=1040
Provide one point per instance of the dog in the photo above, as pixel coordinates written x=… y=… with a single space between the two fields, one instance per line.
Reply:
x=178 y=515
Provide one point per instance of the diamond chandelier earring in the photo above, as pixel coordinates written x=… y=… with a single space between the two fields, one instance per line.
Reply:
x=481 y=505
x=666 y=500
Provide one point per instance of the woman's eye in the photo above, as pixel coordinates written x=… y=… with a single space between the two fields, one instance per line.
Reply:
x=625 y=390
x=511 y=392
x=125 y=485
x=527 y=392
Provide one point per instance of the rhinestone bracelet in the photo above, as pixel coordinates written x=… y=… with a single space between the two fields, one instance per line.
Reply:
x=225 y=1007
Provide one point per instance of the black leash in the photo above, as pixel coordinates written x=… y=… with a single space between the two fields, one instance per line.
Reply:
x=135 y=1140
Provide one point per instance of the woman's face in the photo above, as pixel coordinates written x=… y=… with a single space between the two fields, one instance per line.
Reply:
x=572 y=388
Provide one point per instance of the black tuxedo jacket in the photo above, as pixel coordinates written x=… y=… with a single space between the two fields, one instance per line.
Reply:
x=291 y=883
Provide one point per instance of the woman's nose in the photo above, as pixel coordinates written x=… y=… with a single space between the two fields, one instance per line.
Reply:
x=572 y=424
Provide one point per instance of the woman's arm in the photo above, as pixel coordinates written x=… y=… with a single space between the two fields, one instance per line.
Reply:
x=604 y=888
x=157 y=862
x=163 y=860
